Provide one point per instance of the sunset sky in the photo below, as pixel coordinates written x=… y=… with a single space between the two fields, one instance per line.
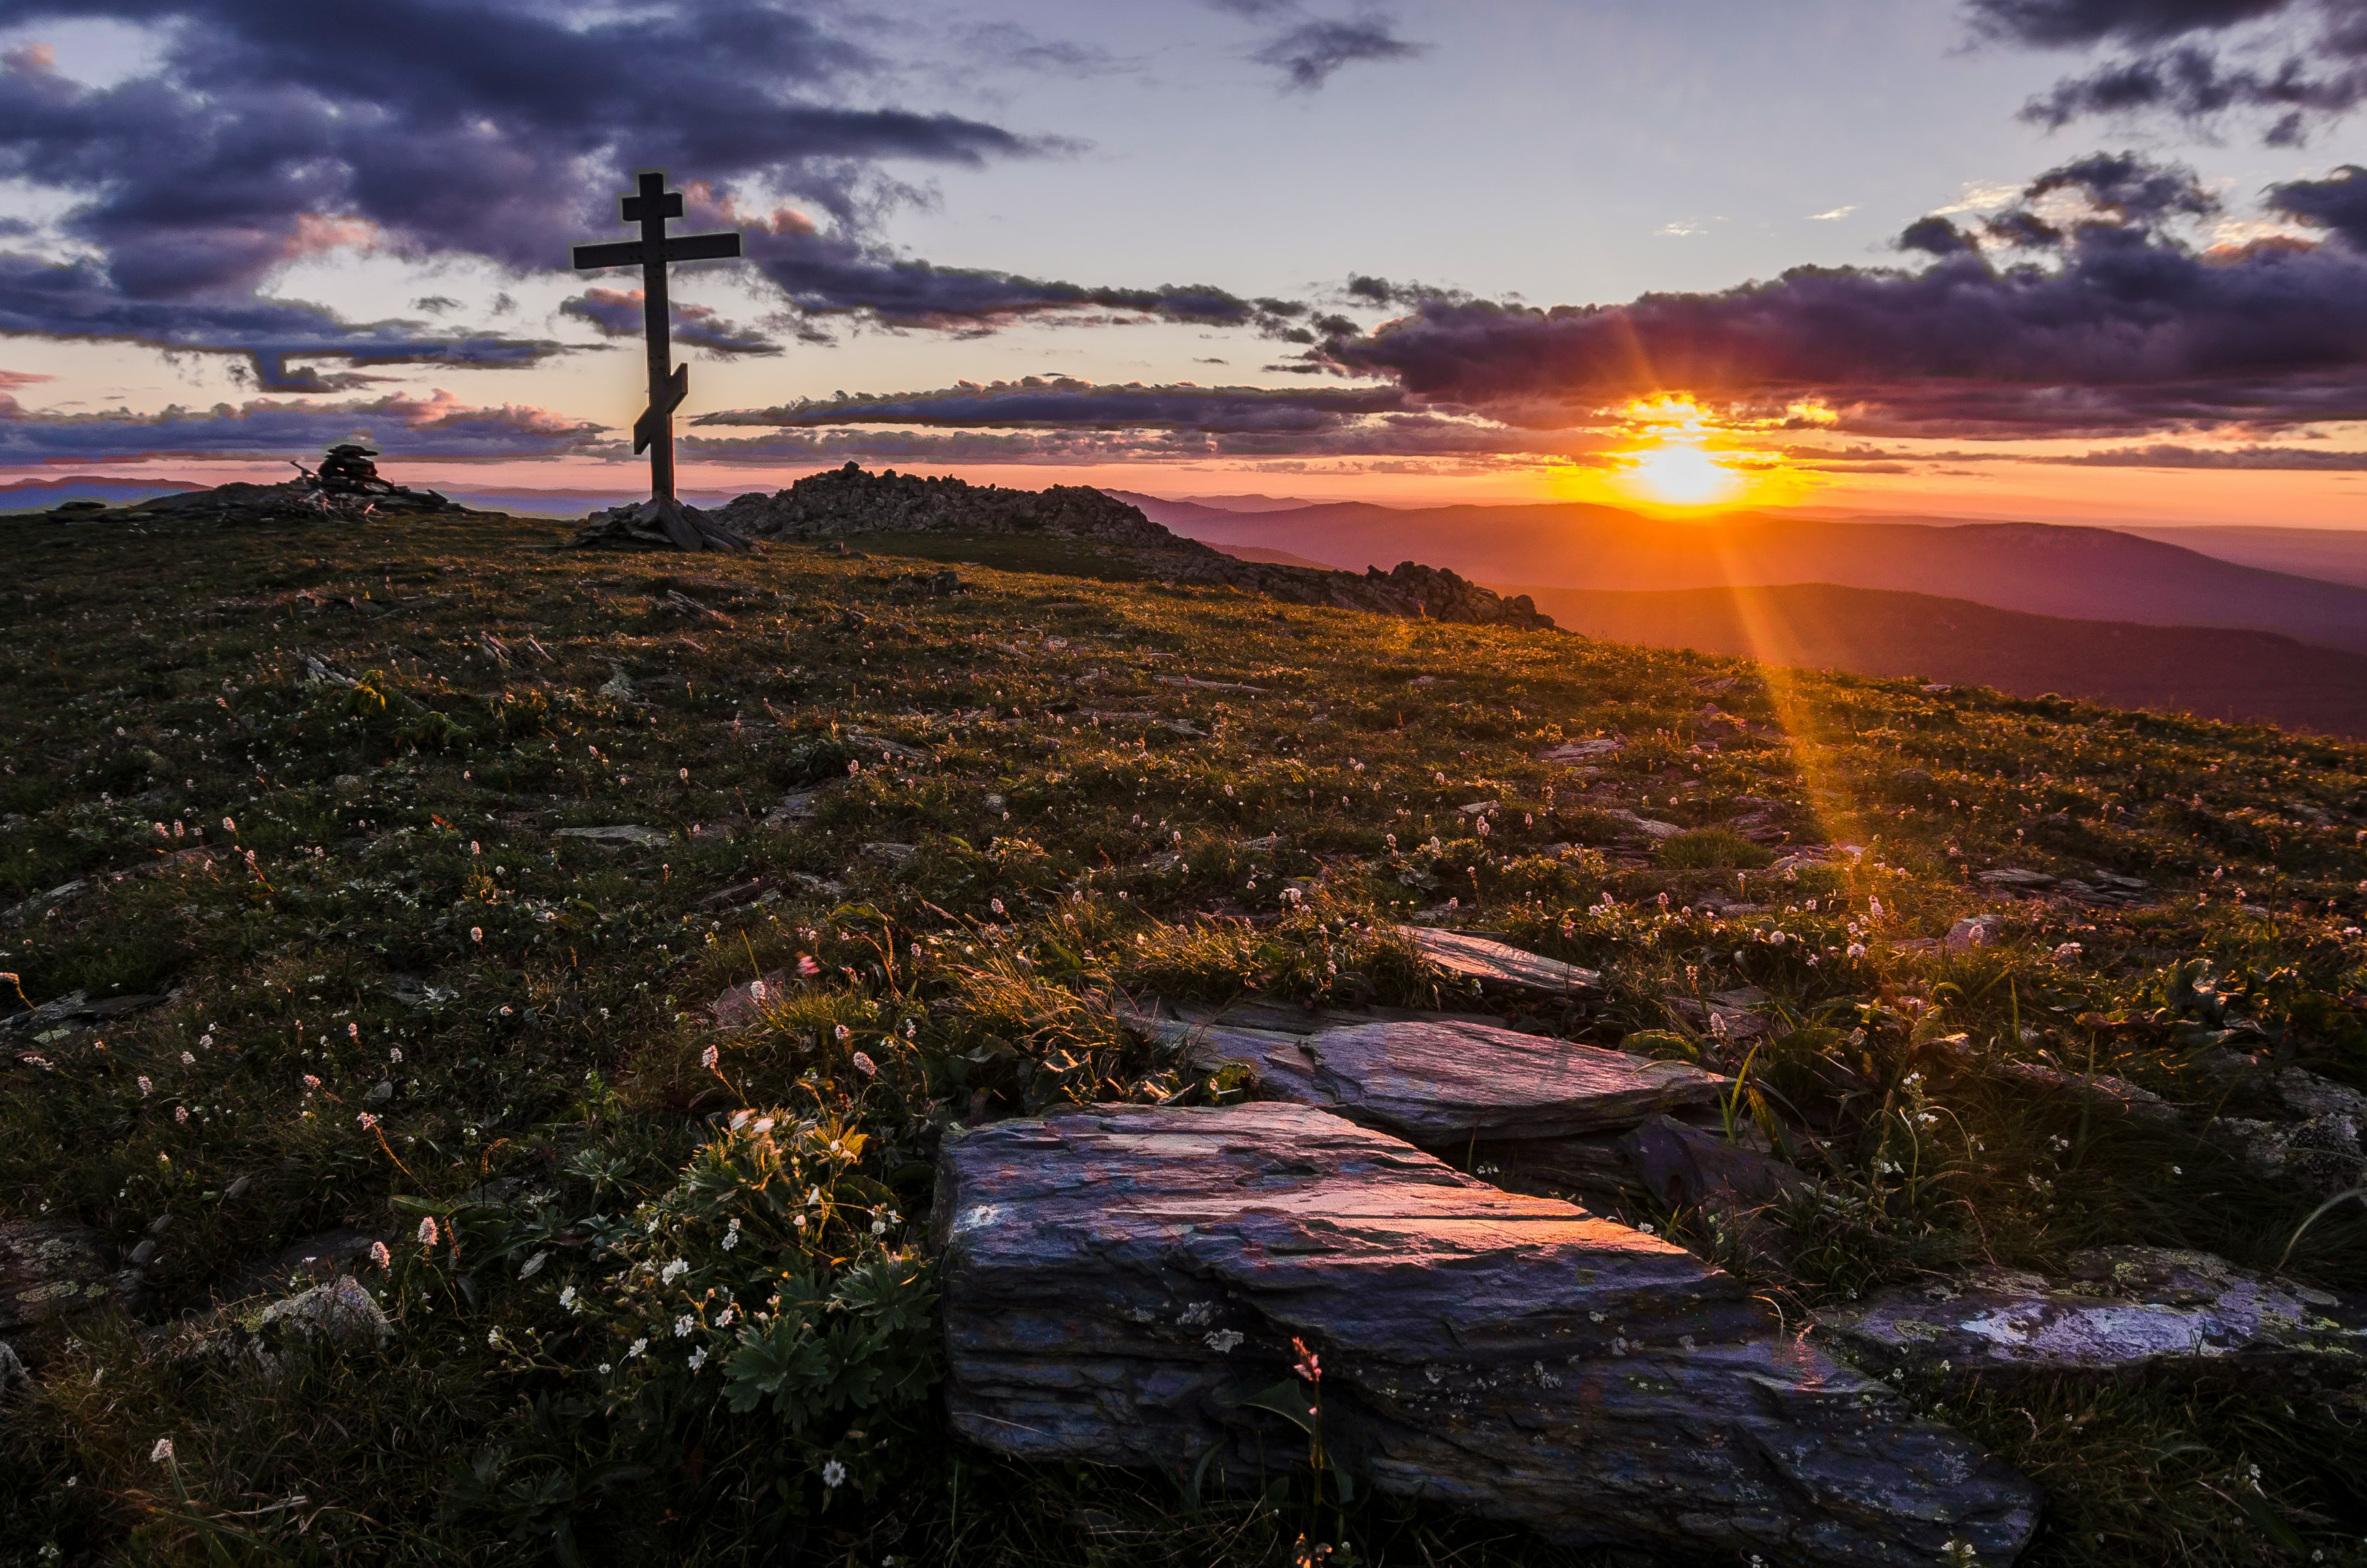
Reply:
x=2080 y=259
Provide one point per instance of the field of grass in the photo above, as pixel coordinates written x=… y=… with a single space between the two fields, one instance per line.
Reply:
x=657 y=1288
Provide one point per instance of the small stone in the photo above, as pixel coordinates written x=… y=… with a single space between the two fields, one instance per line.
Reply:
x=1975 y=931
x=52 y=1267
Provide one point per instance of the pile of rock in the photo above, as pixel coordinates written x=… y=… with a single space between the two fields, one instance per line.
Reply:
x=660 y=525
x=298 y=501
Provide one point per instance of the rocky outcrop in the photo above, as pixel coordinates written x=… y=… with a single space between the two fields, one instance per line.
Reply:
x=849 y=502
x=52 y=1267
x=2123 y=1309
x=1119 y=1280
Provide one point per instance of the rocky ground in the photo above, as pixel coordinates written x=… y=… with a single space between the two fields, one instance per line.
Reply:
x=988 y=1046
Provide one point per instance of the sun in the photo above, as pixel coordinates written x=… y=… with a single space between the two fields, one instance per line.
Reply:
x=1679 y=474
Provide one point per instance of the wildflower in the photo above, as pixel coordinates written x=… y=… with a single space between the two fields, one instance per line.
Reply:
x=758 y=991
x=353 y=1031
x=995 y=905
x=709 y=1057
x=144 y=1085
x=799 y=1221
x=228 y=826
x=368 y=1120
x=395 y=1055
x=698 y=1359
x=637 y=1347
x=1857 y=950
x=311 y=1083
x=834 y=1474
x=807 y=968
x=673 y=1271
x=607 y=1368
x=1874 y=907
x=181 y=1114
x=813 y=1194
x=2068 y=950
x=493 y=1338
x=865 y=1065
x=187 y=1060
x=567 y=1298
x=163 y=1452
x=381 y=1256
x=533 y=1266
x=1307 y=1365
x=685 y=775
x=879 y=1227
x=476 y=932
x=840 y=1032
x=427 y=1230
x=732 y=1236
x=683 y=1326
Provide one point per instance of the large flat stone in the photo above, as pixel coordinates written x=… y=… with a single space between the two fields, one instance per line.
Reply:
x=1117 y=1279
x=52 y=1267
x=1497 y=964
x=2123 y=1309
x=1440 y=1084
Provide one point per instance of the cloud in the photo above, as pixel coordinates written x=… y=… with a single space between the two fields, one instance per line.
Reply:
x=2093 y=320
x=266 y=131
x=1060 y=401
x=2196 y=58
x=1311 y=52
x=403 y=425
x=1834 y=216
x=2167 y=456
x=1057 y=419
x=2338 y=202
x=618 y=312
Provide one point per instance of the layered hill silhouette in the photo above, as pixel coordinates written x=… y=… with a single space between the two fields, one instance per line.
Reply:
x=2077 y=572
x=2215 y=673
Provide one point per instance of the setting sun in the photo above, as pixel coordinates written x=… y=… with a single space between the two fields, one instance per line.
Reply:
x=1680 y=475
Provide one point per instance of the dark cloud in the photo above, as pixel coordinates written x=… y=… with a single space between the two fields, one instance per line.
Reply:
x=2114 y=328
x=2166 y=456
x=403 y=425
x=1062 y=403
x=1309 y=53
x=2338 y=202
x=2065 y=24
x=2298 y=62
x=618 y=312
x=1057 y=419
x=270 y=131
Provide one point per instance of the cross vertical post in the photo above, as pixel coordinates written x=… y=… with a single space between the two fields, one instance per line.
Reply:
x=650 y=205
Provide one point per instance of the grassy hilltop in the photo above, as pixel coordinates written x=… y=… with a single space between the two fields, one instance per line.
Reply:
x=395 y=999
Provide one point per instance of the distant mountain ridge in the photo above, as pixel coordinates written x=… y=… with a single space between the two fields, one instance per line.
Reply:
x=2066 y=572
x=2215 y=673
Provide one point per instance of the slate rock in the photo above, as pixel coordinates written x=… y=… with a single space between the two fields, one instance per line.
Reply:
x=1444 y=1084
x=1117 y=1279
x=1493 y=963
x=743 y=1005
x=2123 y=1309
x=618 y=836
x=2318 y=1141
x=12 y=1370
x=1975 y=931
x=52 y=1267
x=311 y=1260
x=1574 y=752
x=1689 y=1167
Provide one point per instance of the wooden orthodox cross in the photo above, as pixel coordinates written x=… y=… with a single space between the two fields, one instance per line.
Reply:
x=650 y=206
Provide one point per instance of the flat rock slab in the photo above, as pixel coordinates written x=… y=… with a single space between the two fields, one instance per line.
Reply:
x=617 y=838
x=1493 y=963
x=1441 y=1084
x=2123 y=1309
x=1119 y=1279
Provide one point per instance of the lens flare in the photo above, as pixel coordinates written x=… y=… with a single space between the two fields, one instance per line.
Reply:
x=1679 y=474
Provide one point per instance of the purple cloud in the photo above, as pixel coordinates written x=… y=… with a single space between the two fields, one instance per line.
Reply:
x=439 y=426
